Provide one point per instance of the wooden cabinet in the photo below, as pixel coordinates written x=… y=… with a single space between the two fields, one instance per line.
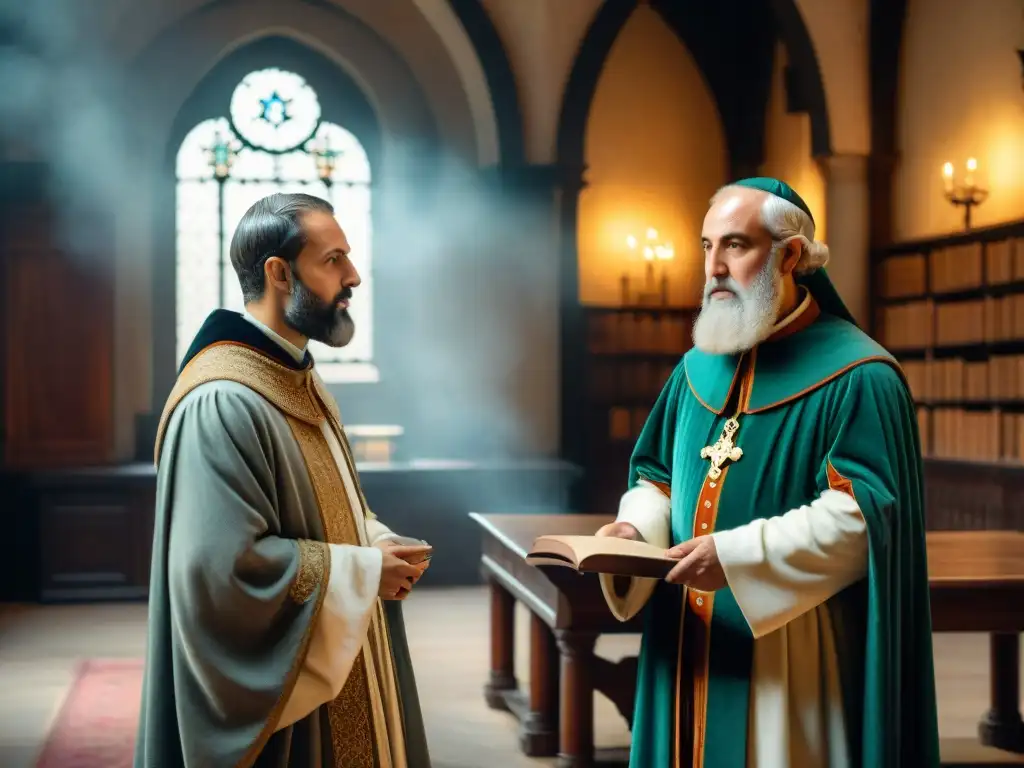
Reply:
x=90 y=535
x=57 y=347
x=95 y=532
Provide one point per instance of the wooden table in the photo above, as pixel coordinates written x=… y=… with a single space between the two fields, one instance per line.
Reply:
x=976 y=580
x=977 y=585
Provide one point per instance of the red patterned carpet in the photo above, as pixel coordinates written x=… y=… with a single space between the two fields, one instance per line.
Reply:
x=96 y=725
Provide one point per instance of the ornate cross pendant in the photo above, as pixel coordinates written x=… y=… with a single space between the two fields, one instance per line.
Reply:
x=723 y=449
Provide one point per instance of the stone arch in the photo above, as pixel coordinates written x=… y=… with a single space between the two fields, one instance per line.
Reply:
x=343 y=101
x=605 y=28
x=171 y=47
x=501 y=79
x=745 y=142
x=447 y=43
x=836 y=35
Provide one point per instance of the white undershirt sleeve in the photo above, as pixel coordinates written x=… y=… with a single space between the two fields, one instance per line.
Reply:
x=649 y=510
x=781 y=567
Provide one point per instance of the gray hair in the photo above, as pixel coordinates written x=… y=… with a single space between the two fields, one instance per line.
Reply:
x=785 y=222
x=271 y=227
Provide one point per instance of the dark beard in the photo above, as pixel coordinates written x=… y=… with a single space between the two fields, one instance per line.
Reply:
x=318 y=320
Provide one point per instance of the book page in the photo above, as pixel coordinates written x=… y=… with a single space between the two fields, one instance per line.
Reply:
x=585 y=546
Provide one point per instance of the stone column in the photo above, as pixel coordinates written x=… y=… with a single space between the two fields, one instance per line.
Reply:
x=848 y=236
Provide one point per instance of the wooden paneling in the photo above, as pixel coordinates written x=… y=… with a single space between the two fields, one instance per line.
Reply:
x=88 y=533
x=93 y=532
x=58 y=328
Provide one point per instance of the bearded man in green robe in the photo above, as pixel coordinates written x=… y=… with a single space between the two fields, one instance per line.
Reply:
x=269 y=645
x=781 y=466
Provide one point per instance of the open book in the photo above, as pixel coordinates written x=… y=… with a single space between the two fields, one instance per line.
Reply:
x=601 y=554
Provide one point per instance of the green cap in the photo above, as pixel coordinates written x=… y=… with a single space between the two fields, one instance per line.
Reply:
x=777 y=188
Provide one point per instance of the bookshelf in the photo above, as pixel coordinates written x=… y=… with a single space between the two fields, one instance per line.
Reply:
x=952 y=311
x=630 y=353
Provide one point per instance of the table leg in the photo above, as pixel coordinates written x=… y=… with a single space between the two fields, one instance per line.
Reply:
x=1002 y=727
x=503 y=638
x=576 y=729
x=538 y=736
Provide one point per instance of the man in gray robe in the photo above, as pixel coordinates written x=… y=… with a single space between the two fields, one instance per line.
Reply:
x=268 y=641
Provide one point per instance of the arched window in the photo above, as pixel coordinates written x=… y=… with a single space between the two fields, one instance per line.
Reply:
x=272 y=140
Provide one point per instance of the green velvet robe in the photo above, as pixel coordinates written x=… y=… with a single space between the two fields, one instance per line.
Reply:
x=827 y=394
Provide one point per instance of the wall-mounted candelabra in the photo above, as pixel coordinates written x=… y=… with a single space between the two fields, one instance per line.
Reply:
x=651 y=252
x=221 y=156
x=964 y=192
x=326 y=159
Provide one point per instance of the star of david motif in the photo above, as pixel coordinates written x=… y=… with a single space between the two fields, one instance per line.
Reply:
x=275 y=110
x=723 y=450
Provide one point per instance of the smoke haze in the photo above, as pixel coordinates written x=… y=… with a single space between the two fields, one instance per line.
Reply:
x=471 y=318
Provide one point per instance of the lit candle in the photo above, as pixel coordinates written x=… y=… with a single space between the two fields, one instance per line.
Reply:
x=972 y=166
x=631 y=245
x=947 y=176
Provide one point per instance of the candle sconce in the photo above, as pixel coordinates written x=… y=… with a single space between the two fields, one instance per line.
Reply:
x=964 y=193
x=326 y=159
x=653 y=250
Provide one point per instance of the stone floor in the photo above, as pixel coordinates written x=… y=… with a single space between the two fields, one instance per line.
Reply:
x=40 y=645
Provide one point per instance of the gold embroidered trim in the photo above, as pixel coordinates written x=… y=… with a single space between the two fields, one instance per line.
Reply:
x=314 y=565
x=292 y=392
x=352 y=728
x=256 y=748
x=330 y=406
x=326 y=399
x=227 y=361
x=352 y=733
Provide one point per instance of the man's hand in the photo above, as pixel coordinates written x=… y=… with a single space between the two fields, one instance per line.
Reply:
x=619 y=531
x=414 y=555
x=396 y=575
x=698 y=566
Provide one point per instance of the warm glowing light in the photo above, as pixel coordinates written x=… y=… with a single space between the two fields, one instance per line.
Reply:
x=631 y=242
x=964 y=192
x=649 y=253
x=652 y=233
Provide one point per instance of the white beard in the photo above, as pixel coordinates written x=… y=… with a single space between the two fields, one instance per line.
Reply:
x=736 y=324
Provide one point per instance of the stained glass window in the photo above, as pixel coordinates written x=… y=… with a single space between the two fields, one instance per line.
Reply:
x=273 y=141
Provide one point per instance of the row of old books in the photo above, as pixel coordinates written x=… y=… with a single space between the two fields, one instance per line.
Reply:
x=626 y=423
x=904 y=276
x=638 y=332
x=922 y=324
x=612 y=380
x=953 y=268
x=951 y=433
x=907 y=326
x=954 y=379
x=956 y=267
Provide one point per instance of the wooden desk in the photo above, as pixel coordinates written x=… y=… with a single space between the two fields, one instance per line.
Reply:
x=977 y=585
x=976 y=580
x=567 y=613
